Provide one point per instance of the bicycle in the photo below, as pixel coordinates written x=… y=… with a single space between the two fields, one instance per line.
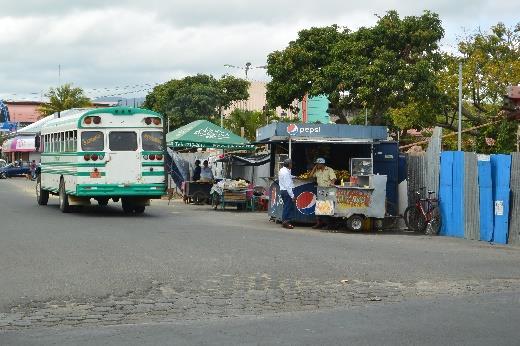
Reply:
x=424 y=216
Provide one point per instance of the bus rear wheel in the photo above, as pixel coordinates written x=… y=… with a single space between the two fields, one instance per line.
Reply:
x=42 y=196
x=64 y=198
x=130 y=207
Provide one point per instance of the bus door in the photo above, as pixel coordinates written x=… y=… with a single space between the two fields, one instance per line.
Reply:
x=124 y=163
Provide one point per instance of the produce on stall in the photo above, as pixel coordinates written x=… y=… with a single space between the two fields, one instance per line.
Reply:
x=231 y=192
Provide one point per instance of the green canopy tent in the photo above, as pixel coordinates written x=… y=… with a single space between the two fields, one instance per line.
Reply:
x=204 y=134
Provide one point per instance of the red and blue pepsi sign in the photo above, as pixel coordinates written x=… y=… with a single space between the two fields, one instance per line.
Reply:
x=306 y=203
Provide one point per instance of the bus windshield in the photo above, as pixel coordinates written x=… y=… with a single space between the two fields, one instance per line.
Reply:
x=92 y=141
x=152 y=141
x=122 y=141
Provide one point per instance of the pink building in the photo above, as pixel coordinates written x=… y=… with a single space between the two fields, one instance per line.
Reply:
x=23 y=112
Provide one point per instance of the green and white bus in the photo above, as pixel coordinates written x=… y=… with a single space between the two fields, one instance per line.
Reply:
x=106 y=153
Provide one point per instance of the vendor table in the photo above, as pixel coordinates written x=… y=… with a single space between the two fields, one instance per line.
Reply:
x=197 y=192
x=233 y=197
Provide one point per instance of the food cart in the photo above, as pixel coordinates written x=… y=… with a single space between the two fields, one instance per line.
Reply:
x=372 y=161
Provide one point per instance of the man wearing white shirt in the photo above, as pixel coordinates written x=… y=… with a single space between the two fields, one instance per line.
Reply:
x=286 y=190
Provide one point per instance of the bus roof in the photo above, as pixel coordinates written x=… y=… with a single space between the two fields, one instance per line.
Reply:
x=71 y=116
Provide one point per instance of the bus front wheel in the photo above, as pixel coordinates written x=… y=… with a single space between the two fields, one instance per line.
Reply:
x=42 y=196
x=64 y=198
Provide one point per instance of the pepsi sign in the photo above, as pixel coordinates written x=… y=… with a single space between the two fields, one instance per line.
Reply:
x=306 y=203
x=293 y=129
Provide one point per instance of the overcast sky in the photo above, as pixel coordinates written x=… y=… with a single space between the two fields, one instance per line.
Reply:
x=133 y=44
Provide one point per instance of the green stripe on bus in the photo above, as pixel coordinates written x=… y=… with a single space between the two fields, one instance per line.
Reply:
x=65 y=172
x=144 y=152
x=115 y=190
x=74 y=164
x=87 y=174
x=153 y=174
x=153 y=164
x=122 y=111
x=75 y=153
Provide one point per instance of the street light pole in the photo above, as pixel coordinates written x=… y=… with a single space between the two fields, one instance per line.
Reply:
x=459 y=138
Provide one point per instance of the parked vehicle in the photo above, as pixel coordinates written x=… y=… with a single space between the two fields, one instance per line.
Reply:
x=11 y=170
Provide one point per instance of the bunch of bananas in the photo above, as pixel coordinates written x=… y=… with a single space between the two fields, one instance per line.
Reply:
x=305 y=175
x=342 y=174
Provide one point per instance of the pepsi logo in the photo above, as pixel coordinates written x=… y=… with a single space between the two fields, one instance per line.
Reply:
x=306 y=203
x=292 y=129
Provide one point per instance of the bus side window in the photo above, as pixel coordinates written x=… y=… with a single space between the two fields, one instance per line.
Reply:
x=75 y=140
x=68 y=143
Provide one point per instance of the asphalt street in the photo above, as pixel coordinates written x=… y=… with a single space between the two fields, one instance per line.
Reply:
x=179 y=263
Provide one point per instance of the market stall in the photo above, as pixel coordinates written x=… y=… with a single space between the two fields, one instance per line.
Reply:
x=231 y=192
x=365 y=161
x=200 y=134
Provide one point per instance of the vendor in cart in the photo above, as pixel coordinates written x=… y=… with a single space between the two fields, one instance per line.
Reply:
x=325 y=177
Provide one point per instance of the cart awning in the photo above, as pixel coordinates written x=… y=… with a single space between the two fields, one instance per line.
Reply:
x=204 y=134
x=256 y=160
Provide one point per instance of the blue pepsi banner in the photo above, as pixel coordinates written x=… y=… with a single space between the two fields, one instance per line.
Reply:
x=285 y=130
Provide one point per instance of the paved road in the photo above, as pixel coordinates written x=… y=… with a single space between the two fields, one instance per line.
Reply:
x=490 y=319
x=178 y=263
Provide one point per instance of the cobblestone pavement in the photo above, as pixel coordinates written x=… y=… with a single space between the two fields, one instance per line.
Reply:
x=228 y=296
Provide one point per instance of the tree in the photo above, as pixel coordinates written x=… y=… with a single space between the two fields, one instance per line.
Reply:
x=62 y=98
x=388 y=69
x=249 y=120
x=196 y=97
x=491 y=62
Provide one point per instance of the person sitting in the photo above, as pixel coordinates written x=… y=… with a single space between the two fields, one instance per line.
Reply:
x=206 y=174
x=196 y=171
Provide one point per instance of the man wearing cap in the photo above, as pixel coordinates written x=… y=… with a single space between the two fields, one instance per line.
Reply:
x=325 y=177
x=286 y=190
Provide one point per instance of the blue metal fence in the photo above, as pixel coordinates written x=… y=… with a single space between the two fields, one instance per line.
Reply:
x=493 y=197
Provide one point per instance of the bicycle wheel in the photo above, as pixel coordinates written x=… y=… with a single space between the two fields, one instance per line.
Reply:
x=434 y=225
x=414 y=220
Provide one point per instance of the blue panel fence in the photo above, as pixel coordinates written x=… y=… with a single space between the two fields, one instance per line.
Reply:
x=494 y=191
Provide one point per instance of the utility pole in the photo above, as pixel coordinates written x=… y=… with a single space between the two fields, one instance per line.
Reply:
x=459 y=139
x=518 y=139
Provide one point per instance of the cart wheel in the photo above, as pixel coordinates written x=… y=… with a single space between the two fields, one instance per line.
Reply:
x=199 y=197
x=355 y=223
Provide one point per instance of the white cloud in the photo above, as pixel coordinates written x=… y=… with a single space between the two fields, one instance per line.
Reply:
x=105 y=44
